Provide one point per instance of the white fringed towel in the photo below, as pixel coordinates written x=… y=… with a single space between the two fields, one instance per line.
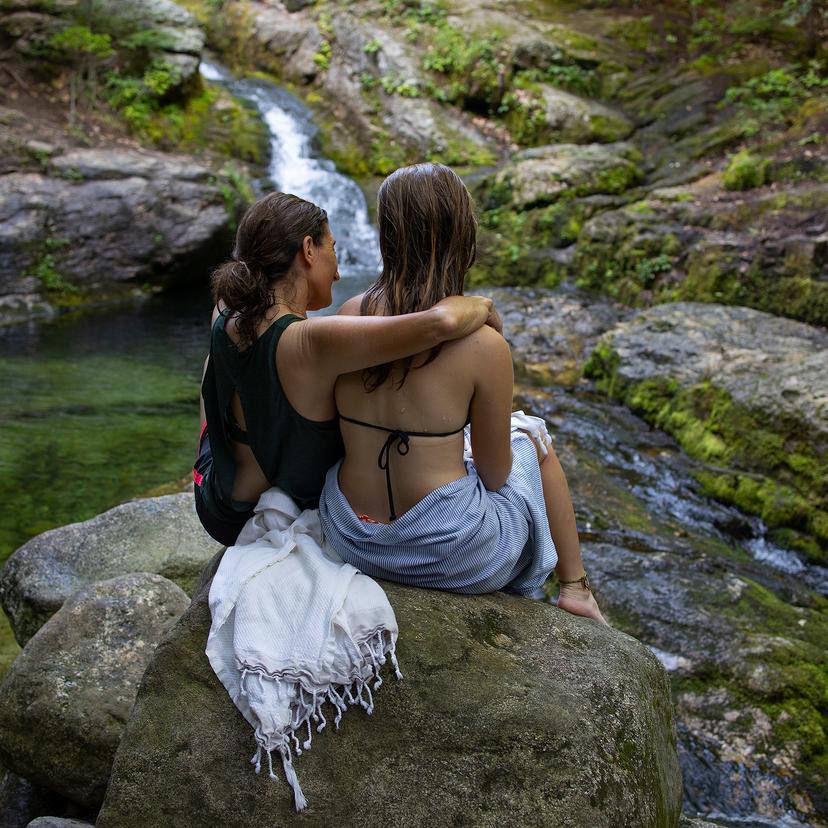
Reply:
x=292 y=628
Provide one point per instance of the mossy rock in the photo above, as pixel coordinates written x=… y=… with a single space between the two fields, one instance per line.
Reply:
x=161 y=535
x=510 y=711
x=745 y=171
x=755 y=419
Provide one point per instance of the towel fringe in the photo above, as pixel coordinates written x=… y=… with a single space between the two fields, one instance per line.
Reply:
x=307 y=703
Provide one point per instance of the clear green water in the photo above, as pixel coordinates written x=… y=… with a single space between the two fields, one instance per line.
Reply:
x=100 y=407
x=96 y=409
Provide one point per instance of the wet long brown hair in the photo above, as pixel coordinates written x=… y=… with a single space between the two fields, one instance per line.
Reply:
x=269 y=236
x=428 y=241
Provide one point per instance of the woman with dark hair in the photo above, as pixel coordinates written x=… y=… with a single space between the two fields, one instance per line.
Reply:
x=404 y=504
x=268 y=413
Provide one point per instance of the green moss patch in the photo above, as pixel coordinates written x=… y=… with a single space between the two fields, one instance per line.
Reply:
x=774 y=470
x=786 y=287
x=782 y=669
x=745 y=171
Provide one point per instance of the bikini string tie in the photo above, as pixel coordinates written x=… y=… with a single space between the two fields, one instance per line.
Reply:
x=401 y=439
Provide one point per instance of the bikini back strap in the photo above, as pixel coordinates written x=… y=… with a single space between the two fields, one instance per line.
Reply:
x=402 y=440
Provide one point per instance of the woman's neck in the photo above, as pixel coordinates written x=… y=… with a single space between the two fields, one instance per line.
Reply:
x=291 y=298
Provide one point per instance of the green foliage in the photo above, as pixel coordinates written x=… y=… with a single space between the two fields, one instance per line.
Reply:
x=236 y=190
x=372 y=46
x=473 y=68
x=79 y=41
x=647 y=270
x=745 y=171
x=525 y=114
x=325 y=24
x=574 y=78
x=394 y=85
x=323 y=57
x=774 y=96
x=45 y=268
x=146 y=41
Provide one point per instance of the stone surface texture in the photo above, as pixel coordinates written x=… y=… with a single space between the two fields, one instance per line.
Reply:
x=107 y=216
x=762 y=361
x=160 y=535
x=510 y=712
x=544 y=175
x=67 y=696
x=31 y=22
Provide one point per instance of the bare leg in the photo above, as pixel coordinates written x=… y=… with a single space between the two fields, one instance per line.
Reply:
x=573 y=598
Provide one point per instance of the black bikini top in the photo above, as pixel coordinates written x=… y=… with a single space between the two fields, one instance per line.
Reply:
x=401 y=438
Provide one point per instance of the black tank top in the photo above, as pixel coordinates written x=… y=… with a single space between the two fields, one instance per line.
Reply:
x=295 y=453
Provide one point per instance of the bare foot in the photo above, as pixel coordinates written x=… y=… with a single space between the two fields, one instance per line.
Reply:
x=578 y=600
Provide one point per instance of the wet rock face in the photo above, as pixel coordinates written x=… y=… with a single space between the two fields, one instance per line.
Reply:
x=741 y=389
x=179 y=38
x=552 y=334
x=66 y=698
x=355 y=67
x=160 y=535
x=765 y=249
x=510 y=711
x=103 y=216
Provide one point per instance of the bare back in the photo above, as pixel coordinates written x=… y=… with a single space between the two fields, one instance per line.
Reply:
x=436 y=398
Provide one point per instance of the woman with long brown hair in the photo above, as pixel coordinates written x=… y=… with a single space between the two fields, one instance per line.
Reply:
x=404 y=504
x=268 y=413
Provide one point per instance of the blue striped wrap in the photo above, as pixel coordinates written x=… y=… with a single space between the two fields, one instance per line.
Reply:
x=460 y=537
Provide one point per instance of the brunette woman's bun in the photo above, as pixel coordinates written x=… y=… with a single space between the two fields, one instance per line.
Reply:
x=270 y=235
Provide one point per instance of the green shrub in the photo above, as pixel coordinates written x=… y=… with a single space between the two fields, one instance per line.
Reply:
x=473 y=67
x=774 y=97
x=745 y=171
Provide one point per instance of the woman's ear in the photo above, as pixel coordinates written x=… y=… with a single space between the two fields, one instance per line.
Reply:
x=307 y=252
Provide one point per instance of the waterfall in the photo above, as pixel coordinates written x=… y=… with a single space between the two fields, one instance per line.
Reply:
x=297 y=167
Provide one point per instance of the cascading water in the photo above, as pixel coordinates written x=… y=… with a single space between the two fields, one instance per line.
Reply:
x=295 y=167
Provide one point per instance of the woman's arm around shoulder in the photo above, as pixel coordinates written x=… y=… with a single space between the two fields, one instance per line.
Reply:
x=491 y=406
x=333 y=345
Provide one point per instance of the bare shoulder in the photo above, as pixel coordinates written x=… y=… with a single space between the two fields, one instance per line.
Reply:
x=351 y=307
x=485 y=343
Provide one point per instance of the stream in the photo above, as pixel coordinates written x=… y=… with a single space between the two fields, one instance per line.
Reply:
x=87 y=395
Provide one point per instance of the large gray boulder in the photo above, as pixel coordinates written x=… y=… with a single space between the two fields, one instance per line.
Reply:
x=66 y=698
x=570 y=118
x=547 y=174
x=742 y=390
x=181 y=39
x=511 y=712
x=160 y=535
x=760 y=360
x=98 y=217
